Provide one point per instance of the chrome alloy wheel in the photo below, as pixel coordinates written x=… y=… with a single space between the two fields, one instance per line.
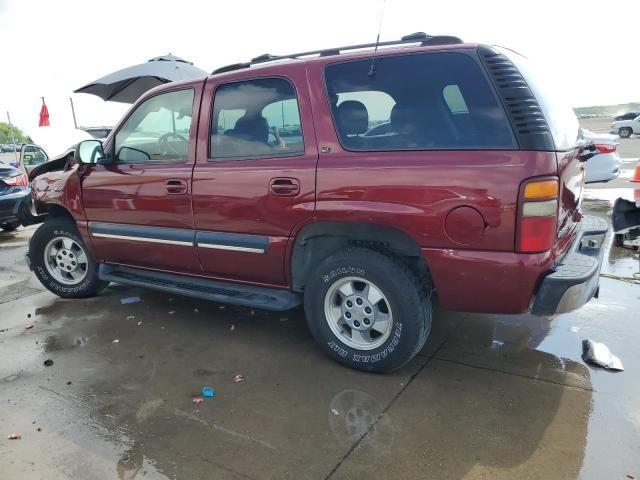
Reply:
x=358 y=313
x=66 y=260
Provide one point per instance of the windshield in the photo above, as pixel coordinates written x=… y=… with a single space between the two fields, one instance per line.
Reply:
x=560 y=117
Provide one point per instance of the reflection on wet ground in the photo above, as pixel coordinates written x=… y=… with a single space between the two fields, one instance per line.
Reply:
x=489 y=397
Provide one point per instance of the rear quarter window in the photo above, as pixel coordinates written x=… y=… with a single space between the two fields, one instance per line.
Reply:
x=431 y=101
x=551 y=97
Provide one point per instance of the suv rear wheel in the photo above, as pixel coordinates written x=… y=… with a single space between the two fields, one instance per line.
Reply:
x=625 y=132
x=61 y=261
x=367 y=310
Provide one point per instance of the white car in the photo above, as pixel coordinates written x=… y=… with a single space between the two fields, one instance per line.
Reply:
x=605 y=165
x=626 y=128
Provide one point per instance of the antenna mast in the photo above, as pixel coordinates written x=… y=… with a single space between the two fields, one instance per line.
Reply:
x=372 y=70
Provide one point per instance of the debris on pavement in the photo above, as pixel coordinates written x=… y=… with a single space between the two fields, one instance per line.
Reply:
x=599 y=354
x=208 y=392
x=116 y=341
x=575 y=329
x=198 y=400
x=28 y=315
x=239 y=378
x=129 y=300
x=139 y=323
x=69 y=382
x=39 y=429
x=232 y=328
x=48 y=362
x=196 y=310
x=3 y=330
x=28 y=327
x=14 y=436
x=172 y=312
x=131 y=317
x=222 y=307
x=335 y=412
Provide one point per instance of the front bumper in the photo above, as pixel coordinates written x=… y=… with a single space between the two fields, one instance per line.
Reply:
x=576 y=279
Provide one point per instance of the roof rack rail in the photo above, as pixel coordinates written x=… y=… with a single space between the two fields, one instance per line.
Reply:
x=418 y=37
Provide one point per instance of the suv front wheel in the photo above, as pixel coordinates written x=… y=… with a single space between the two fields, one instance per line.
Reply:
x=367 y=310
x=62 y=262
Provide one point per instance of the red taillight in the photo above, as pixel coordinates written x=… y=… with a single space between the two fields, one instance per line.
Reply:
x=606 y=147
x=537 y=234
x=537 y=215
x=17 y=181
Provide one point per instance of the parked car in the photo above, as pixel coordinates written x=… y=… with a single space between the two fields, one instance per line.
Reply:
x=32 y=156
x=468 y=195
x=605 y=165
x=15 y=197
x=626 y=128
x=627 y=116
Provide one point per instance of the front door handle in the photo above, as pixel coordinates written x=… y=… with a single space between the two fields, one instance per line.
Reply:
x=284 y=187
x=176 y=186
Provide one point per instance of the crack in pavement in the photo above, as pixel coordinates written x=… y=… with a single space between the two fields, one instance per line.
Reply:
x=521 y=375
x=384 y=411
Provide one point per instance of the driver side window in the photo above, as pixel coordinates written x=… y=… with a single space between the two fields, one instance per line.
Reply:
x=158 y=130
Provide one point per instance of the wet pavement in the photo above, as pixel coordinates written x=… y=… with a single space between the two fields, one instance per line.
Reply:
x=497 y=397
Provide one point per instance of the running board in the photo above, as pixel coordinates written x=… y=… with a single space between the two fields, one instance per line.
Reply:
x=216 y=291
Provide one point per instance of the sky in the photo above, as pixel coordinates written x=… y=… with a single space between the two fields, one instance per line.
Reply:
x=51 y=48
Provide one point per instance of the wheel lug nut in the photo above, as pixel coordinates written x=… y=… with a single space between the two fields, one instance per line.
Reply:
x=349 y=304
x=367 y=310
x=359 y=301
x=366 y=321
x=348 y=315
x=356 y=323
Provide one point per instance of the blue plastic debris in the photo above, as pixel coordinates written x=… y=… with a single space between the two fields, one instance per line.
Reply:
x=208 y=392
x=128 y=300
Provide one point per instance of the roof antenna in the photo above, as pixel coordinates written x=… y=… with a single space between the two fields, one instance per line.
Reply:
x=372 y=70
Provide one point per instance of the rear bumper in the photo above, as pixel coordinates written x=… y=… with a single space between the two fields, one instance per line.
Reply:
x=576 y=279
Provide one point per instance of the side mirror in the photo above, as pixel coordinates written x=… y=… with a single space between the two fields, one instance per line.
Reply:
x=89 y=152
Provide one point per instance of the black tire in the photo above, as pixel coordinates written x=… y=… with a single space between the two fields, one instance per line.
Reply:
x=89 y=286
x=625 y=132
x=408 y=299
x=9 y=227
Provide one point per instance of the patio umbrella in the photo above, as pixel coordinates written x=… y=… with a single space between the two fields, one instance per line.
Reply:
x=128 y=84
x=44 y=115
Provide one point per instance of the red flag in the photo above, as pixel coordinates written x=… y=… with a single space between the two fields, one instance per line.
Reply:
x=44 y=115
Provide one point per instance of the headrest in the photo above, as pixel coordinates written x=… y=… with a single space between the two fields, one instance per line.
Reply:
x=352 y=118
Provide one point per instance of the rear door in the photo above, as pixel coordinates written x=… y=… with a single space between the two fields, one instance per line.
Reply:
x=256 y=180
x=139 y=206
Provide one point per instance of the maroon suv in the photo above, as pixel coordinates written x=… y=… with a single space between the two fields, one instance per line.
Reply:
x=356 y=182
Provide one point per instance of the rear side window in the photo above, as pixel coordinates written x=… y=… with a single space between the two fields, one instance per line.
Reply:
x=256 y=118
x=435 y=101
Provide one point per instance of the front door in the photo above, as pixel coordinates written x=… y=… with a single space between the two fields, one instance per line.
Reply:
x=139 y=205
x=256 y=181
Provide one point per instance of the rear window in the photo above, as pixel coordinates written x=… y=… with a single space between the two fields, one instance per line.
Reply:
x=434 y=101
x=559 y=115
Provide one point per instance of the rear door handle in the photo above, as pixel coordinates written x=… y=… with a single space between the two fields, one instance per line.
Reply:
x=284 y=187
x=176 y=186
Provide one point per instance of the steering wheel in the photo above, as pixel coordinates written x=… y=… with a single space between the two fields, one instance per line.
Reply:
x=165 y=138
x=164 y=145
